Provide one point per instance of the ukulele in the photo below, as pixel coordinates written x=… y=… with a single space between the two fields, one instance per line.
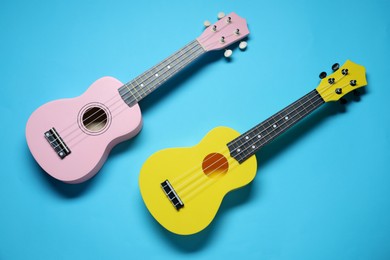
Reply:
x=71 y=138
x=184 y=187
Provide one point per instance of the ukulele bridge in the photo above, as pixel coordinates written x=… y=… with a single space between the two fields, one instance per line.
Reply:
x=172 y=195
x=57 y=143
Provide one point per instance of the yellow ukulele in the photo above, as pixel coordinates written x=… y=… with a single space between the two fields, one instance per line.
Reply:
x=184 y=187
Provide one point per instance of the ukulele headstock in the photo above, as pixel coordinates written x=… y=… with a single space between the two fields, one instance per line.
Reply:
x=343 y=80
x=226 y=31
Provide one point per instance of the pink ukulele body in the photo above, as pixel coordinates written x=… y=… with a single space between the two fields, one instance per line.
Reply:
x=90 y=148
x=71 y=138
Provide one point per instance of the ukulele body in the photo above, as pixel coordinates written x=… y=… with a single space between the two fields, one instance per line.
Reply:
x=75 y=155
x=87 y=127
x=200 y=175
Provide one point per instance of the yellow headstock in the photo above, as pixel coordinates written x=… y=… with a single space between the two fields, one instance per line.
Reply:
x=349 y=77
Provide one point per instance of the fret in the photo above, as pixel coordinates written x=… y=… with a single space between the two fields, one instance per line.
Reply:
x=308 y=104
x=234 y=145
x=135 y=93
x=126 y=94
x=135 y=90
x=271 y=122
x=171 y=72
x=309 y=101
x=260 y=133
x=239 y=142
x=137 y=87
x=251 y=141
x=315 y=102
x=279 y=117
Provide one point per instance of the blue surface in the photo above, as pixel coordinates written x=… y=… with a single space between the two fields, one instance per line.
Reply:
x=322 y=190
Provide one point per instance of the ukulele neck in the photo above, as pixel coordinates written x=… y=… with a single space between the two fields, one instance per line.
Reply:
x=247 y=144
x=134 y=91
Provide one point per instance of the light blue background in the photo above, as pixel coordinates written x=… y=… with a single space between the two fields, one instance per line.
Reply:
x=322 y=190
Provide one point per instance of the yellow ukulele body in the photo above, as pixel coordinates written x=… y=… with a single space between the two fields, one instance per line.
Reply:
x=195 y=179
x=184 y=187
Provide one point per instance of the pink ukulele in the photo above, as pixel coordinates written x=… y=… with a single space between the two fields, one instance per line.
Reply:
x=71 y=138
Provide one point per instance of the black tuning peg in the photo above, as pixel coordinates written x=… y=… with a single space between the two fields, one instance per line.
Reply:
x=343 y=101
x=356 y=93
x=322 y=75
x=335 y=66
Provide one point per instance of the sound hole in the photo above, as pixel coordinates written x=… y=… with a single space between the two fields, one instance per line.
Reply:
x=215 y=165
x=94 y=119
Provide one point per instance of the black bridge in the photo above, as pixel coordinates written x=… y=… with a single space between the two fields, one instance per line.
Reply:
x=172 y=195
x=57 y=143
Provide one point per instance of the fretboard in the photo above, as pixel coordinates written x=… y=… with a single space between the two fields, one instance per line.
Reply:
x=247 y=144
x=135 y=90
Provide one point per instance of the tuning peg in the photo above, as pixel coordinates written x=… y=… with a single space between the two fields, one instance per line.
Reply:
x=206 y=23
x=352 y=83
x=335 y=66
x=228 y=53
x=322 y=75
x=339 y=91
x=221 y=15
x=243 y=45
x=343 y=101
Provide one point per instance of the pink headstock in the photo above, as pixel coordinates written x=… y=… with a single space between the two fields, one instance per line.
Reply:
x=223 y=33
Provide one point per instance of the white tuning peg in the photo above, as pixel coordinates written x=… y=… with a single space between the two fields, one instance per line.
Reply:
x=221 y=15
x=243 y=45
x=206 y=23
x=228 y=53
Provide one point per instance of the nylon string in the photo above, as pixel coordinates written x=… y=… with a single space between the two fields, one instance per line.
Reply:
x=179 y=186
x=140 y=77
x=176 y=66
